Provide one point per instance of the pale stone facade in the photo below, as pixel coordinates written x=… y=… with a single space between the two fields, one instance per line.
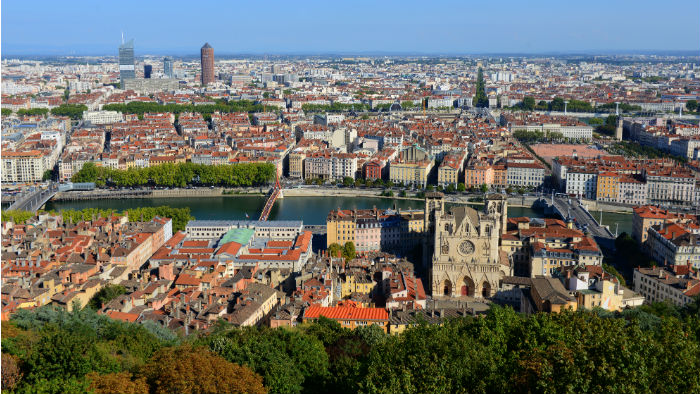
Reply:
x=466 y=259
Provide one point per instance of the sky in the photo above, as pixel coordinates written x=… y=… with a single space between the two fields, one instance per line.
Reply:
x=81 y=27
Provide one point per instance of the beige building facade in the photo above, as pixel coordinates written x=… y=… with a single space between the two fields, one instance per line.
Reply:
x=466 y=261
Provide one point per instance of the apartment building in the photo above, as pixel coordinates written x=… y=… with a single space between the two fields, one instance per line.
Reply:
x=538 y=247
x=677 y=284
x=22 y=166
x=374 y=230
x=675 y=244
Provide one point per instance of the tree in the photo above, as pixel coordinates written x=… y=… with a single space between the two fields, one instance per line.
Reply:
x=105 y=295
x=17 y=217
x=290 y=361
x=450 y=188
x=335 y=250
x=691 y=105
x=528 y=103
x=349 y=250
x=74 y=111
x=484 y=188
x=48 y=175
x=33 y=112
x=461 y=188
x=6 y=112
x=189 y=370
x=108 y=383
x=11 y=374
x=557 y=104
x=348 y=181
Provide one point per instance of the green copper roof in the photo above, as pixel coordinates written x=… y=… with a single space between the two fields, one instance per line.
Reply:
x=240 y=235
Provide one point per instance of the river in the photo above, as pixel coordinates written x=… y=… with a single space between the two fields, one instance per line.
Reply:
x=312 y=210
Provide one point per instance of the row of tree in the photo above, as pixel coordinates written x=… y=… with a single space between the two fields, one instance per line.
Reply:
x=652 y=349
x=480 y=100
x=530 y=136
x=335 y=107
x=635 y=149
x=74 y=111
x=557 y=104
x=206 y=110
x=179 y=175
x=179 y=216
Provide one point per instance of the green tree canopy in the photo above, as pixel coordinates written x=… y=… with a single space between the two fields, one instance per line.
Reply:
x=480 y=100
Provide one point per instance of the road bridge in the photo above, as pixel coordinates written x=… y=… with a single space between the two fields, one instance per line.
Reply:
x=571 y=208
x=34 y=199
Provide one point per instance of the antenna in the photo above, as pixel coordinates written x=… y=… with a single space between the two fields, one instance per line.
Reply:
x=122 y=38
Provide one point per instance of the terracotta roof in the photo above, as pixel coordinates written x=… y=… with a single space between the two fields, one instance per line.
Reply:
x=130 y=317
x=346 y=313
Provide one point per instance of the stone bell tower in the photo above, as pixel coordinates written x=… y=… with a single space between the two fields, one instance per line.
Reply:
x=434 y=208
x=498 y=204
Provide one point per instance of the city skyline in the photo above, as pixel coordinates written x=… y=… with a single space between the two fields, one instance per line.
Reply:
x=444 y=28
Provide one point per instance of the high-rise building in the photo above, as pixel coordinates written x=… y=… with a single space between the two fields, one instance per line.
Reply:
x=147 y=70
x=168 y=67
x=207 y=64
x=127 y=69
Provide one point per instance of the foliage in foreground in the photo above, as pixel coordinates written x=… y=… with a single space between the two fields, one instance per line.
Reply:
x=650 y=349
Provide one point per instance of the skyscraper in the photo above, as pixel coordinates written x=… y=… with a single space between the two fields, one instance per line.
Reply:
x=168 y=67
x=127 y=69
x=207 y=64
x=147 y=70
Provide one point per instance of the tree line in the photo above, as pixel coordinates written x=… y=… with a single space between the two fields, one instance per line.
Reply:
x=140 y=108
x=335 y=107
x=529 y=136
x=179 y=216
x=74 y=111
x=480 y=100
x=649 y=349
x=557 y=104
x=179 y=175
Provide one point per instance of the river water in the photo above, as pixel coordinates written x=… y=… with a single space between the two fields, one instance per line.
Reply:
x=312 y=210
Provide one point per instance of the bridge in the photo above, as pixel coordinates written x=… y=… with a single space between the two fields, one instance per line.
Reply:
x=568 y=208
x=35 y=199
x=275 y=193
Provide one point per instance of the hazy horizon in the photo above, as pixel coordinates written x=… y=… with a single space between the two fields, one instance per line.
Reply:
x=447 y=28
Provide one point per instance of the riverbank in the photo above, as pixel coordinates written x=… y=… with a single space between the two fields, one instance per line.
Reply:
x=310 y=209
x=307 y=191
x=204 y=192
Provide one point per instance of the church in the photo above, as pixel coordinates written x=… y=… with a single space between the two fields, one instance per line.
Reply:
x=466 y=258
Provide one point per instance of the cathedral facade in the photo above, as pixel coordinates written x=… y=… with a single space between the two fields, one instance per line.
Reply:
x=464 y=243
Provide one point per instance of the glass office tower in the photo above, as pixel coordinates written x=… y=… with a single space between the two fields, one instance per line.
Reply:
x=168 y=67
x=127 y=68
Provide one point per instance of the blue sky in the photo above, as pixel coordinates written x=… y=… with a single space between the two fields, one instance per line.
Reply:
x=337 y=26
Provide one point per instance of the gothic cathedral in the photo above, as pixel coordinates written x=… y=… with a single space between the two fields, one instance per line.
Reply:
x=466 y=258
